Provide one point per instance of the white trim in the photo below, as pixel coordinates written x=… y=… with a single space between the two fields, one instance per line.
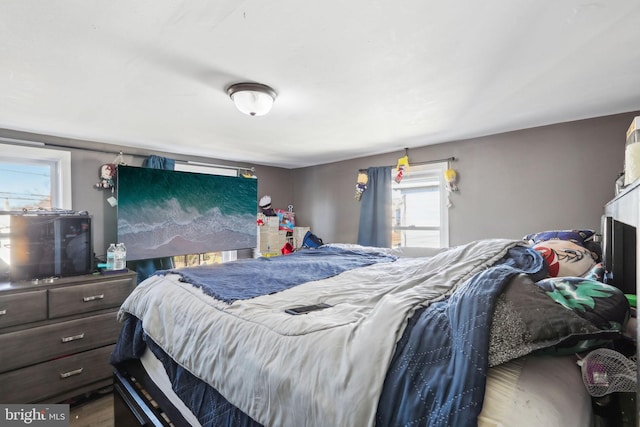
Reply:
x=444 y=210
x=439 y=168
x=206 y=169
x=59 y=159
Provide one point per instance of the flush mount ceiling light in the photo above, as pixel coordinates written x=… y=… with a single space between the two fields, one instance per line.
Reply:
x=253 y=99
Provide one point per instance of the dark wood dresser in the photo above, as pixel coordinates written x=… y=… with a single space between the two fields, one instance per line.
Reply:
x=56 y=336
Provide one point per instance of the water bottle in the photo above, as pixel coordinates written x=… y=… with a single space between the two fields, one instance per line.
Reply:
x=111 y=256
x=123 y=254
x=120 y=260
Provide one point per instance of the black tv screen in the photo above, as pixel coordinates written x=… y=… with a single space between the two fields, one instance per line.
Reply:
x=619 y=254
x=50 y=245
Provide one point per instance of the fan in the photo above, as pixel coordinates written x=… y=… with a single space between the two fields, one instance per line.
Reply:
x=606 y=371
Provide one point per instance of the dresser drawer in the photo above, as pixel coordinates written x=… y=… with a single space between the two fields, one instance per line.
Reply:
x=16 y=309
x=77 y=299
x=35 y=345
x=39 y=382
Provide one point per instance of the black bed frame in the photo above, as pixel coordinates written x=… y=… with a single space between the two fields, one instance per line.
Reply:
x=137 y=401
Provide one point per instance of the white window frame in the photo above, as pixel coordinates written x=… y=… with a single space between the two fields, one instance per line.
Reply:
x=439 y=168
x=59 y=160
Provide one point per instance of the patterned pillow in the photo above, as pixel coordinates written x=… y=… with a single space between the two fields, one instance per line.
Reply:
x=566 y=258
x=553 y=317
x=603 y=305
x=584 y=238
x=596 y=273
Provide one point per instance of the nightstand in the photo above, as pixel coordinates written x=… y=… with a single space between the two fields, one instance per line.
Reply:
x=57 y=335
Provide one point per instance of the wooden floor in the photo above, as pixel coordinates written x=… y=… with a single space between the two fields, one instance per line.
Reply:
x=96 y=412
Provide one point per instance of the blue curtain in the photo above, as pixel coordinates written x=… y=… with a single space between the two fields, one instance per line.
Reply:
x=146 y=267
x=157 y=162
x=375 y=209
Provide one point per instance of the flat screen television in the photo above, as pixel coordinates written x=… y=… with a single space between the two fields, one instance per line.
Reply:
x=50 y=245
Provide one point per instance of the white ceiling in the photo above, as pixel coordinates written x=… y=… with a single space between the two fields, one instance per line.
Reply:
x=353 y=77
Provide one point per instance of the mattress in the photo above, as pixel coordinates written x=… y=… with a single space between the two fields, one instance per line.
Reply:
x=536 y=391
x=531 y=391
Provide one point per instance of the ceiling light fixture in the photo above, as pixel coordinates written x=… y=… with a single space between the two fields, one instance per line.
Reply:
x=253 y=99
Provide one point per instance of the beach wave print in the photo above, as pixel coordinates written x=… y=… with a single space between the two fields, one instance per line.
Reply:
x=165 y=213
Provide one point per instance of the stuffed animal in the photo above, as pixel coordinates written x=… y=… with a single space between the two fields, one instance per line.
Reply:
x=451 y=177
x=361 y=184
x=265 y=206
x=107 y=176
x=402 y=168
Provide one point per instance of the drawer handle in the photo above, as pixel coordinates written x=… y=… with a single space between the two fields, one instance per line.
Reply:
x=73 y=337
x=3 y=312
x=71 y=373
x=93 y=298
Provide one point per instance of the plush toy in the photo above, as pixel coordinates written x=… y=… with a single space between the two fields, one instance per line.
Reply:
x=451 y=177
x=265 y=206
x=107 y=176
x=361 y=184
x=402 y=168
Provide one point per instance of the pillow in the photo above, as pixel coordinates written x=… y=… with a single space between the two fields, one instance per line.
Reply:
x=603 y=305
x=527 y=320
x=596 y=273
x=565 y=258
x=584 y=238
x=575 y=236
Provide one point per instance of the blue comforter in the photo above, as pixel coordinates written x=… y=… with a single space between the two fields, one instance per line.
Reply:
x=438 y=381
x=249 y=278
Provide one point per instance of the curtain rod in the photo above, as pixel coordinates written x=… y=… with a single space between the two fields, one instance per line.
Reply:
x=116 y=153
x=426 y=162
x=210 y=165
x=49 y=144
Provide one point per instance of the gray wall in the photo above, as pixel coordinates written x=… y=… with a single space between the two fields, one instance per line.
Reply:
x=511 y=184
x=87 y=158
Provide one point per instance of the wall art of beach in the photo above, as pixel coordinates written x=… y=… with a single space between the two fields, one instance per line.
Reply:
x=165 y=213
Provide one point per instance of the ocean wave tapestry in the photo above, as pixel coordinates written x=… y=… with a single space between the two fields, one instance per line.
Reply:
x=165 y=213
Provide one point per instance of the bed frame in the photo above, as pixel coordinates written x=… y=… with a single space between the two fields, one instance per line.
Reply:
x=137 y=401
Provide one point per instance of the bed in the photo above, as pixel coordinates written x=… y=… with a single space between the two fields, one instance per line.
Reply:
x=473 y=335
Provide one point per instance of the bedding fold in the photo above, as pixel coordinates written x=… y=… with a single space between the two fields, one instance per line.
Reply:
x=249 y=278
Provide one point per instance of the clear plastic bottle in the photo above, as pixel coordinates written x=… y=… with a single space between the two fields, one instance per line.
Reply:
x=123 y=254
x=111 y=256
x=120 y=261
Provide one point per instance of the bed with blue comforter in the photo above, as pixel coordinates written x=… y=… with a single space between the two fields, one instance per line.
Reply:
x=401 y=341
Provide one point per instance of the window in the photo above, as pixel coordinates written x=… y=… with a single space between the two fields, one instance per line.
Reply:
x=32 y=177
x=191 y=260
x=420 y=215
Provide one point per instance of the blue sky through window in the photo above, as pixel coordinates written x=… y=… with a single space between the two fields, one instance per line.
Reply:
x=24 y=185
